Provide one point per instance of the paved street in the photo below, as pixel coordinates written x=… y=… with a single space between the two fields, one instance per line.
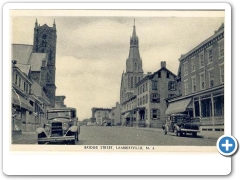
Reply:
x=105 y=135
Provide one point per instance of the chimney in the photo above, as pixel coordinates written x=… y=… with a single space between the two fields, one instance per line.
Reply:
x=163 y=64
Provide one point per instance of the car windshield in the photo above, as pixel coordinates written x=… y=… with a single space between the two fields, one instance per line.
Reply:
x=59 y=114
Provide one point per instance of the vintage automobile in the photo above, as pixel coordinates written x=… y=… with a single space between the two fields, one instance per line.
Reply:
x=61 y=126
x=181 y=124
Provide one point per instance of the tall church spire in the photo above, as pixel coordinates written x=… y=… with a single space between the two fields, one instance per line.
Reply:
x=134 y=62
x=134 y=38
x=36 y=23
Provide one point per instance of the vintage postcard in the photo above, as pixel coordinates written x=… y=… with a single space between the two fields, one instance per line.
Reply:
x=118 y=81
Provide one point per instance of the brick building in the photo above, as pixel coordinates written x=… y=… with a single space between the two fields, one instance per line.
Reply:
x=201 y=81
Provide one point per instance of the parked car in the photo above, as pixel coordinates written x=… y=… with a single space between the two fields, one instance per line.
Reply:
x=61 y=126
x=181 y=124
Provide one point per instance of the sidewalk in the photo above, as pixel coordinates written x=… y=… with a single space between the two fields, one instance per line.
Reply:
x=24 y=138
x=205 y=134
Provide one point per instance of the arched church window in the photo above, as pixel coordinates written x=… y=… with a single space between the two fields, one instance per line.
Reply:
x=135 y=66
x=44 y=43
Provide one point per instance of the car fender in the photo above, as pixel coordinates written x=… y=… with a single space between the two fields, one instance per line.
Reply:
x=40 y=130
x=73 y=129
x=176 y=127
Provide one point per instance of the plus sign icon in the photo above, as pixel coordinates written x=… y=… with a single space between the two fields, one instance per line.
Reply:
x=227 y=145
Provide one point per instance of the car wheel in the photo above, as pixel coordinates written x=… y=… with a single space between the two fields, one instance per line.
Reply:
x=72 y=142
x=176 y=131
x=77 y=136
x=194 y=134
x=41 y=143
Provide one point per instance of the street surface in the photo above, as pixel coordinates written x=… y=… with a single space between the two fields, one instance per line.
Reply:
x=106 y=135
x=117 y=135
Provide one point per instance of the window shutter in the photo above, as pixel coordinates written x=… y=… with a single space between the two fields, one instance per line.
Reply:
x=151 y=114
x=158 y=113
x=169 y=85
x=146 y=111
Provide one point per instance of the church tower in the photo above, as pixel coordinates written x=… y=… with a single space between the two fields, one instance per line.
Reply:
x=134 y=71
x=45 y=41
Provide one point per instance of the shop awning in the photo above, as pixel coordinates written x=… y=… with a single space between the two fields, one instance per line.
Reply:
x=179 y=106
x=21 y=102
x=126 y=115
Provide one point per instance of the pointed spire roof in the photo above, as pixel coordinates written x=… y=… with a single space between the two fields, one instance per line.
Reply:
x=134 y=35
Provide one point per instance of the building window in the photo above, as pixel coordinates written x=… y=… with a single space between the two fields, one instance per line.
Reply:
x=201 y=60
x=210 y=56
x=194 y=88
x=197 y=109
x=193 y=65
x=202 y=81
x=155 y=114
x=186 y=86
x=135 y=81
x=172 y=85
x=140 y=101
x=143 y=99
x=140 y=89
x=211 y=78
x=218 y=106
x=221 y=74
x=146 y=98
x=16 y=77
x=143 y=87
x=171 y=95
x=129 y=82
x=167 y=75
x=24 y=86
x=206 y=107
x=146 y=86
x=221 y=49
x=154 y=85
x=155 y=98
x=27 y=88
x=19 y=82
x=159 y=74
x=185 y=69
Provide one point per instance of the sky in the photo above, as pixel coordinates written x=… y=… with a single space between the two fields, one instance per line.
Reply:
x=92 y=49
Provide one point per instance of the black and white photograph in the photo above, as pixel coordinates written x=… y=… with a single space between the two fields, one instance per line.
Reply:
x=119 y=81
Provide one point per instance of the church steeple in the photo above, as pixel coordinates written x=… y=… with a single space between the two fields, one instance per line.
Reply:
x=36 y=23
x=134 y=38
x=134 y=62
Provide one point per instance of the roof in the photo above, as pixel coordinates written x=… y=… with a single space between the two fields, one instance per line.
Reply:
x=36 y=61
x=25 y=68
x=37 y=89
x=152 y=75
x=216 y=34
x=21 y=53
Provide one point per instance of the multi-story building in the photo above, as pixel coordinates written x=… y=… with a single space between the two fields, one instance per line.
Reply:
x=151 y=92
x=29 y=103
x=201 y=81
x=100 y=115
x=41 y=57
x=115 y=115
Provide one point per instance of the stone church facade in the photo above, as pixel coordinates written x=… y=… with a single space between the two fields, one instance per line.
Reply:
x=45 y=41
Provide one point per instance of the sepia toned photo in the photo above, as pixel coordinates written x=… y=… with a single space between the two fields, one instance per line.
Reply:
x=117 y=80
